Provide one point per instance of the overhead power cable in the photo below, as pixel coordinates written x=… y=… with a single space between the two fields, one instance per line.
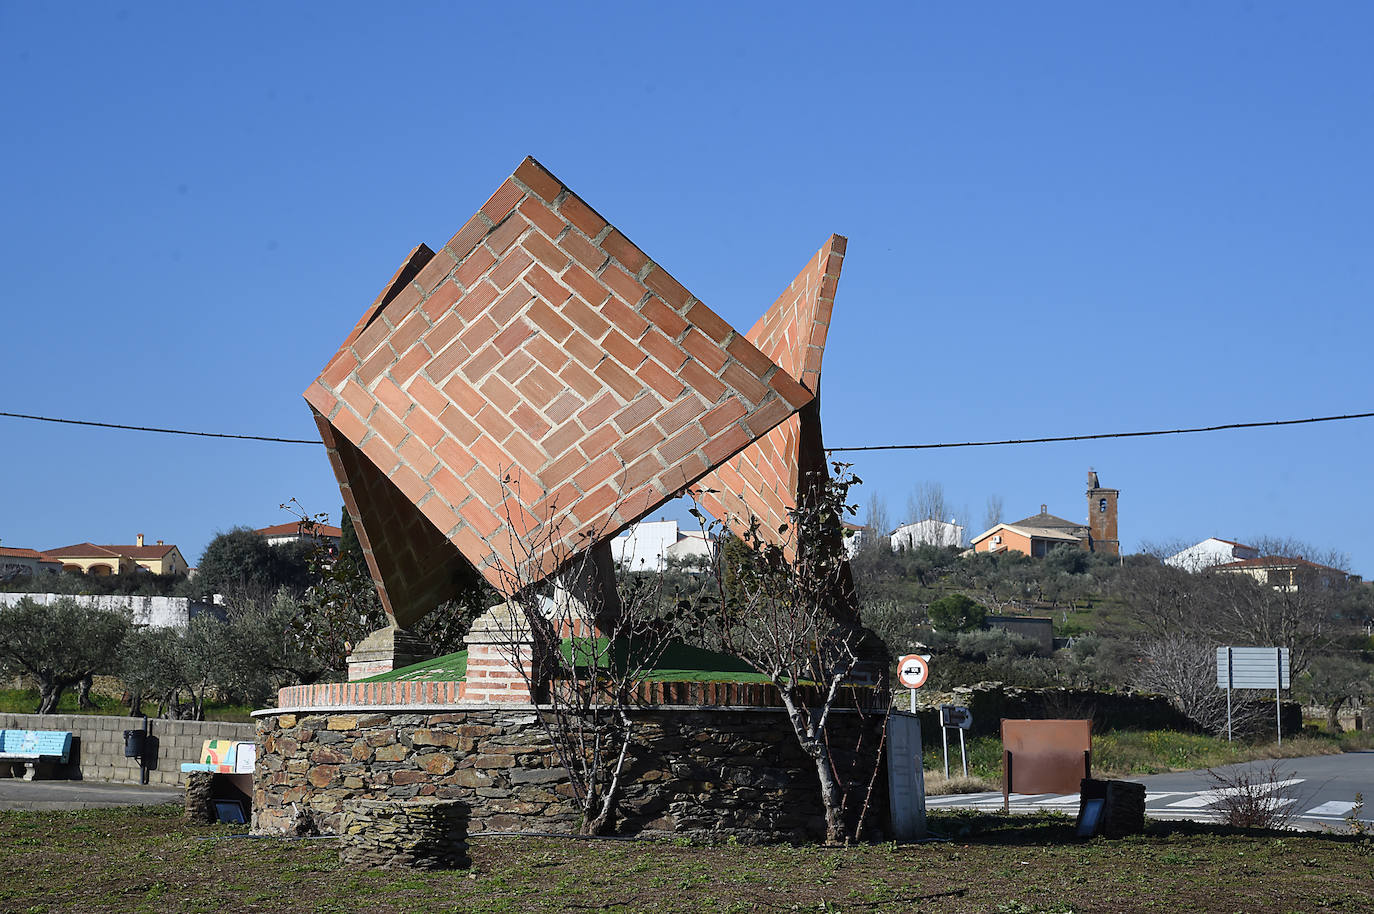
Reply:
x=1171 y=431
x=161 y=431
x=871 y=447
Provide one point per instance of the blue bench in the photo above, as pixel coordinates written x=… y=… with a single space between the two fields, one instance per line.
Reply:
x=33 y=748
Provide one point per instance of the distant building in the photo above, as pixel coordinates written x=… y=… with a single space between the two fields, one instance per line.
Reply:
x=1037 y=534
x=16 y=562
x=90 y=558
x=1285 y=573
x=301 y=532
x=650 y=545
x=927 y=533
x=1211 y=552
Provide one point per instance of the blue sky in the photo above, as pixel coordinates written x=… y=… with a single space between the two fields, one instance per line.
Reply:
x=1062 y=219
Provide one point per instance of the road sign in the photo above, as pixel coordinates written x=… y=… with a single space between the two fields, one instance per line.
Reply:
x=913 y=670
x=956 y=716
x=1252 y=668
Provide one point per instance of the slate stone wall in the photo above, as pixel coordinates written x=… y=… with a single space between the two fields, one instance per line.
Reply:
x=706 y=773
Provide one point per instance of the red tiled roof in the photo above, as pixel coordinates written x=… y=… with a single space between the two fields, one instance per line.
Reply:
x=16 y=552
x=83 y=551
x=1278 y=561
x=294 y=529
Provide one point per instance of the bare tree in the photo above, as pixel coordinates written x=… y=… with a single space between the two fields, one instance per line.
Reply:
x=877 y=524
x=583 y=647
x=797 y=623
x=993 y=511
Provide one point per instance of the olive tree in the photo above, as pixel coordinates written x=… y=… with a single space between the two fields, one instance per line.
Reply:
x=59 y=644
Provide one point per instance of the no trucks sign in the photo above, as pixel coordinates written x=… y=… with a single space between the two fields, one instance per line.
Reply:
x=913 y=670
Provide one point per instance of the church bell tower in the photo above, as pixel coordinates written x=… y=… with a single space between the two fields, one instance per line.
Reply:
x=1102 y=535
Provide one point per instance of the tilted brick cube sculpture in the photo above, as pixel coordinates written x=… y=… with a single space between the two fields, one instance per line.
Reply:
x=536 y=386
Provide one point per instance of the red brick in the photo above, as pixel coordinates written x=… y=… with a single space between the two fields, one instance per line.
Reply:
x=527 y=454
x=481 y=363
x=726 y=443
x=726 y=413
x=391 y=396
x=475 y=301
x=410 y=363
x=637 y=444
x=702 y=381
x=420 y=458
x=349 y=425
x=545 y=252
x=466 y=238
x=622 y=284
x=505 y=234
x=503 y=201
x=443 y=364
x=483 y=520
x=687 y=472
x=657 y=312
x=618 y=347
x=549 y=222
x=510 y=268
x=598 y=412
x=668 y=288
x=390 y=428
x=368 y=341
x=597 y=443
x=548 y=288
x=429 y=278
x=545 y=319
x=540 y=387
x=637 y=474
x=580 y=346
x=664 y=384
x=581 y=215
x=453 y=453
x=473 y=268
x=561 y=468
x=620 y=247
x=592 y=505
x=514 y=368
x=703 y=350
x=709 y=322
x=320 y=397
x=624 y=318
x=421 y=424
x=427 y=396
x=529 y=422
x=339 y=368
x=499 y=394
x=563 y=406
x=463 y=428
x=679 y=414
x=618 y=379
x=380 y=453
x=583 y=251
x=637 y=413
x=358 y=398
x=479 y=332
x=492 y=456
x=443 y=332
x=584 y=284
x=533 y=176
x=546 y=352
x=748 y=355
x=439 y=514
x=580 y=380
x=787 y=387
x=751 y=387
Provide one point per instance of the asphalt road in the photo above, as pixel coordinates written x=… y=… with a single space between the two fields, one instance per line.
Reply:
x=1320 y=792
x=16 y=793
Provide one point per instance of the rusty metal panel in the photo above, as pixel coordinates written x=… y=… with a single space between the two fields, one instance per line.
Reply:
x=1045 y=756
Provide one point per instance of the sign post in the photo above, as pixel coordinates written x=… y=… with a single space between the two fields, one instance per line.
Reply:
x=1254 y=668
x=958 y=718
x=912 y=671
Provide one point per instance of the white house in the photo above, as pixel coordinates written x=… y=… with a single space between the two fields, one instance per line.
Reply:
x=927 y=533
x=1209 y=553
x=649 y=545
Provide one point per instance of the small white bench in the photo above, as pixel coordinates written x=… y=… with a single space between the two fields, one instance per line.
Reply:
x=33 y=748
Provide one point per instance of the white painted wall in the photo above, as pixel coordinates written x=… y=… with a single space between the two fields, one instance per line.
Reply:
x=649 y=544
x=932 y=532
x=154 y=612
x=1209 y=552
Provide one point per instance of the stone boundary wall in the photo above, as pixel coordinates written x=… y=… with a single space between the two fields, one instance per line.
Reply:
x=98 y=744
x=707 y=773
x=154 y=612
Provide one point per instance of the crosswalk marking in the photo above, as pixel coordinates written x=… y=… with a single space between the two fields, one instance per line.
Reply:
x=1333 y=808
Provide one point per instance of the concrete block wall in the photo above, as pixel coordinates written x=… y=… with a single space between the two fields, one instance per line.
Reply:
x=539 y=367
x=98 y=744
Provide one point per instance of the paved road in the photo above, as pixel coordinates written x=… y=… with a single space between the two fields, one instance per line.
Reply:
x=16 y=793
x=1319 y=791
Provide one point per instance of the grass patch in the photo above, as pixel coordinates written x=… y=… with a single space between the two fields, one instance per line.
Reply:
x=150 y=860
x=1127 y=753
x=25 y=701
